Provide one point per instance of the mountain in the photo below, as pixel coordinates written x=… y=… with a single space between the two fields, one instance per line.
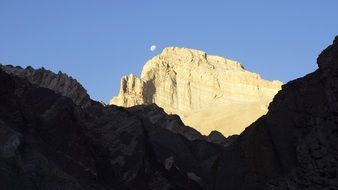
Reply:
x=208 y=92
x=47 y=141
x=65 y=85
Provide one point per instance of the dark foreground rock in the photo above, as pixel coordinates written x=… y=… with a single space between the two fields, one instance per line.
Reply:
x=295 y=145
x=49 y=140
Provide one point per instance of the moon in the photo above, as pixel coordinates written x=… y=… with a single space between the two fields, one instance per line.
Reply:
x=152 y=48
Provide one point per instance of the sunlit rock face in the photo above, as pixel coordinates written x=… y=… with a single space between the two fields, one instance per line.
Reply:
x=208 y=92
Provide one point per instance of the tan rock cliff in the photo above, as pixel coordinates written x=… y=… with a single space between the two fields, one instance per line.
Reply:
x=208 y=92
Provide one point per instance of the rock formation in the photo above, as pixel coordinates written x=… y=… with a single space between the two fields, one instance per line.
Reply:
x=49 y=142
x=208 y=92
x=60 y=83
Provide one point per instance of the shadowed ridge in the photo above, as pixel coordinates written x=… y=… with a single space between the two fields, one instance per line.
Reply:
x=328 y=58
x=295 y=145
x=60 y=83
x=47 y=141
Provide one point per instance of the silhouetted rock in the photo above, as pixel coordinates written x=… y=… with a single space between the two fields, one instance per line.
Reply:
x=47 y=142
x=295 y=145
x=218 y=138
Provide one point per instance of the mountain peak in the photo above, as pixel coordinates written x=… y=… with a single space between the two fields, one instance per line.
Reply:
x=328 y=60
x=186 y=55
x=196 y=85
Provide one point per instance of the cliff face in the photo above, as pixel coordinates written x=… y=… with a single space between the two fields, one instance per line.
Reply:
x=59 y=83
x=199 y=88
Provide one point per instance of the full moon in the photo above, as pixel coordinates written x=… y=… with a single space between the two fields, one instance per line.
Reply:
x=152 y=48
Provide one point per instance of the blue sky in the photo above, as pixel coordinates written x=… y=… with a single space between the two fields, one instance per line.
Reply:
x=97 y=42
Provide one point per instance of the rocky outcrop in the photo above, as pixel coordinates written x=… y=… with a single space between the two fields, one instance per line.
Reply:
x=60 y=83
x=207 y=92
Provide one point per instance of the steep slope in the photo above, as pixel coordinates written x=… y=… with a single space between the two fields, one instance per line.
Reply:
x=207 y=92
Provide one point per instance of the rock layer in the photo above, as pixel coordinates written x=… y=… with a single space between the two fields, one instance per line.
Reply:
x=200 y=88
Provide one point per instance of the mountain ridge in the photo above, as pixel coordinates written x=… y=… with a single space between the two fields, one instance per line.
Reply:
x=61 y=83
x=49 y=142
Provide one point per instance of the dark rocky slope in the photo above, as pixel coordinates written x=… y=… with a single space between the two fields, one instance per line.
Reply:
x=50 y=141
x=295 y=145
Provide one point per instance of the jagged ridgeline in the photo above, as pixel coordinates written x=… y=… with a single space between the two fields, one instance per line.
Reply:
x=61 y=83
x=208 y=92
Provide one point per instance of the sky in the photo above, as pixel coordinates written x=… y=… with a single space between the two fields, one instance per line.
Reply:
x=98 y=42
